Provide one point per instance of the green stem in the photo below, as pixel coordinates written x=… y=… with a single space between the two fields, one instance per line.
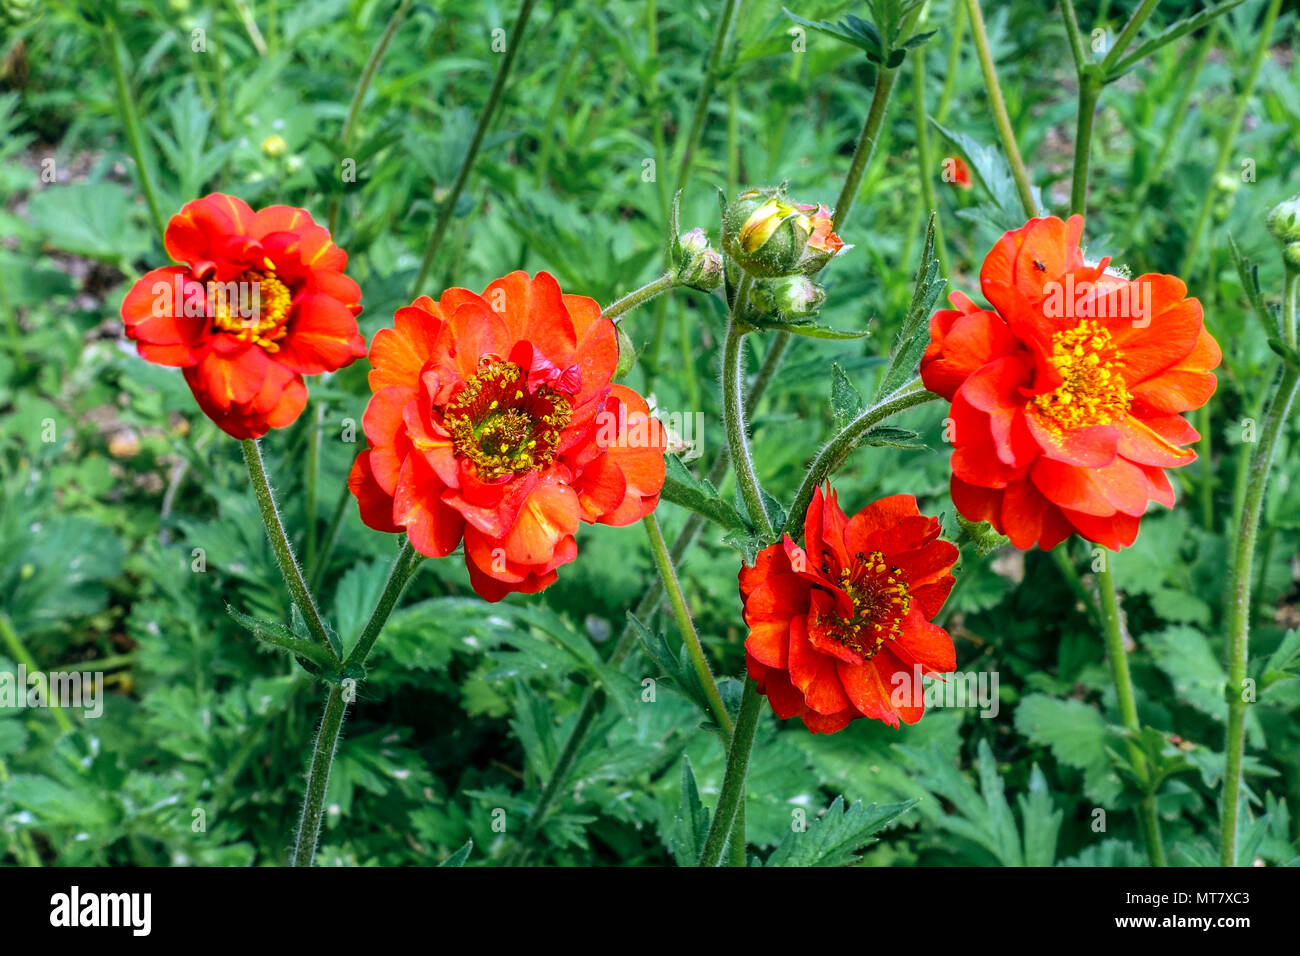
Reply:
x=1128 y=34
x=954 y=61
x=638 y=296
x=484 y=120
x=870 y=135
x=404 y=565
x=1072 y=34
x=134 y=138
x=318 y=777
x=1089 y=91
x=1275 y=419
x=732 y=794
x=1186 y=83
x=1229 y=139
x=1128 y=710
x=835 y=451
x=659 y=549
x=363 y=86
x=315 y=572
x=705 y=92
x=22 y=656
x=649 y=601
x=312 y=469
x=280 y=545
x=733 y=415
x=999 y=108
x=923 y=158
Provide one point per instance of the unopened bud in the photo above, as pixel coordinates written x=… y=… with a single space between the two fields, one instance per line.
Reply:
x=1284 y=220
x=699 y=265
x=769 y=235
x=791 y=297
x=274 y=146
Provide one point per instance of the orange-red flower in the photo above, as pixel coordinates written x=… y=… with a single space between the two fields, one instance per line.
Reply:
x=494 y=420
x=260 y=302
x=1066 y=396
x=841 y=628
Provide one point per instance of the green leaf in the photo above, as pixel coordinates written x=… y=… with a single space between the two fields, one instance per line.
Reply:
x=994 y=172
x=846 y=401
x=691 y=824
x=698 y=495
x=914 y=336
x=1078 y=736
x=1284 y=664
x=1168 y=35
x=277 y=635
x=1186 y=657
x=1042 y=821
x=836 y=838
x=460 y=856
x=88 y=219
x=1249 y=273
x=891 y=437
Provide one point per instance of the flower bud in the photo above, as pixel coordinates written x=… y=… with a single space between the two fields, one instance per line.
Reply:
x=699 y=265
x=1291 y=253
x=274 y=146
x=791 y=297
x=1284 y=220
x=769 y=235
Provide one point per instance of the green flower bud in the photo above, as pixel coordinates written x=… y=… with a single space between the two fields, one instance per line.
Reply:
x=626 y=354
x=1291 y=253
x=1284 y=220
x=699 y=265
x=792 y=297
x=769 y=235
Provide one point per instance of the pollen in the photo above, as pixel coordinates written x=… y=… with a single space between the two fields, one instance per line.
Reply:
x=502 y=427
x=1092 y=390
x=254 y=308
x=881 y=600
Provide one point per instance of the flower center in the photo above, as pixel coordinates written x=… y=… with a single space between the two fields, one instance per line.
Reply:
x=505 y=429
x=254 y=308
x=880 y=602
x=1092 y=390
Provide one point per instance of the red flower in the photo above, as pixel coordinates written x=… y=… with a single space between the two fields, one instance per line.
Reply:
x=1066 y=396
x=956 y=171
x=494 y=419
x=260 y=302
x=841 y=628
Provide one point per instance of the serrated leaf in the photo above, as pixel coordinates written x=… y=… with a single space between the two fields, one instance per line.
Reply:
x=1078 y=736
x=691 y=824
x=889 y=436
x=836 y=838
x=1168 y=35
x=1249 y=273
x=277 y=635
x=994 y=172
x=846 y=400
x=698 y=495
x=914 y=336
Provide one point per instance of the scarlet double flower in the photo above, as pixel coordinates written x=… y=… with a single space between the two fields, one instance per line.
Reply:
x=261 y=301
x=842 y=627
x=494 y=420
x=1066 y=397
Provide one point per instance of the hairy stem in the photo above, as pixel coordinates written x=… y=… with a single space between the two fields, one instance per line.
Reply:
x=638 y=296
x=1275 y=419
x=1128 y=710
x=732 y=794
x=999 y=108
x=318 y=777
x=280 y=546
x=677 y=600
x=733 y=415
